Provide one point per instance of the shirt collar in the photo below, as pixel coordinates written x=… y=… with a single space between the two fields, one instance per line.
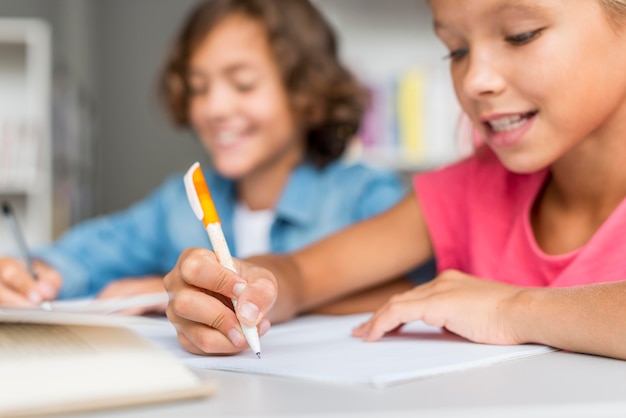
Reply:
x=295 y=205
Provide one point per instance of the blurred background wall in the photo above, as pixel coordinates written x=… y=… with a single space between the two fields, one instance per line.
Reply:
x=106 y=55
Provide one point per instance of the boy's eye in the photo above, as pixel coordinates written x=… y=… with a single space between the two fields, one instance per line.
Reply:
x=457 y=54
x=197 y=90
x=523 y=38
x=196 y=86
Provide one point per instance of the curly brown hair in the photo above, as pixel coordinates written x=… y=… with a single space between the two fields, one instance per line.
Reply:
x=325 y=96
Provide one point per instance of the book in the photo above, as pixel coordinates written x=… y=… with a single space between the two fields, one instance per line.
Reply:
x=54 y=362
x=321 y=348
x=411 y=109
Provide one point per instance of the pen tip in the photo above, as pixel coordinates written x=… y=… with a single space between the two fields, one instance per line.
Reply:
x=6 y=209
x=258 y=355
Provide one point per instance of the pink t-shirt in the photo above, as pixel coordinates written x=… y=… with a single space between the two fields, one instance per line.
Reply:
x=478 y=216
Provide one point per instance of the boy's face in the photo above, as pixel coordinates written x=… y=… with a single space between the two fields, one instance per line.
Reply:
x=239 y=106
x=537 y=77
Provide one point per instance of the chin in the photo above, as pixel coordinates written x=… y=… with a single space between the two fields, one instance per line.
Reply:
x=522 y=164
x=230 y=171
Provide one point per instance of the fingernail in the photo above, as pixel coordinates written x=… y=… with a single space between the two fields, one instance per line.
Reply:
x=249 y=312
x=264 y=326
x=46 y=290
x=235 y=337
x=239 y=288
x=34 y=297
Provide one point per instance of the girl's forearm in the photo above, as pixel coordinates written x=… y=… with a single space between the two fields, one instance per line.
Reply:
x=289 y=300
x=586 y=319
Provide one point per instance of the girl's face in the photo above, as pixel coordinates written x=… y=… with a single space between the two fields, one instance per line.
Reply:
x=537 y=77
x=239 y=106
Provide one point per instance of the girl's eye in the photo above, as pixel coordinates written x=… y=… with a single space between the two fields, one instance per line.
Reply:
x=457 y=54
x=245 y=87
x=523 y=38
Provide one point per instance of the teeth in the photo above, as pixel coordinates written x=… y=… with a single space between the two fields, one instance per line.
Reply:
x=227 y=137
x=507 y=123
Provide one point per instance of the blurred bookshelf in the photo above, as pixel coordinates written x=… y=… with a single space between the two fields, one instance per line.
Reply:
x=46 y=136
x=414 y=122
x=25 y=139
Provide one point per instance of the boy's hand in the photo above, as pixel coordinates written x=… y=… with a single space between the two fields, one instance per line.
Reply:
x=19 y=288
x=200 y=304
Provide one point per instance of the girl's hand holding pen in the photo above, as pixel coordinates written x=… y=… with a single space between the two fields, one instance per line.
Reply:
x=19 y=288
x=200 y=305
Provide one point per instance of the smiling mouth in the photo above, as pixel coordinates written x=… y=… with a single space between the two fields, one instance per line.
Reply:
x=227 y=138
x=510 y=123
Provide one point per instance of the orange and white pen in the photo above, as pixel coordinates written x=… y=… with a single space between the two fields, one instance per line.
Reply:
x=202 y=204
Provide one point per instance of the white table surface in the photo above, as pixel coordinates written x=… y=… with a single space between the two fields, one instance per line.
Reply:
x=557 y=384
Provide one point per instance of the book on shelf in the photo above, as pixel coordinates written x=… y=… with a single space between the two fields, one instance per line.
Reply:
x=413 y=120
x=410 y=115
x=55 y=362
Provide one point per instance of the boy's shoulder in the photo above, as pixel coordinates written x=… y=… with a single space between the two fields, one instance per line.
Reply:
x=174 y=183
x=354 y=170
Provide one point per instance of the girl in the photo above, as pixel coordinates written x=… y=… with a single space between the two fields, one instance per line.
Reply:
x=529 y=234
x=260 y=83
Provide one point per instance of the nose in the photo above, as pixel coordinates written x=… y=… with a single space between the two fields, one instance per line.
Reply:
x=482 y=76
x=216 y=103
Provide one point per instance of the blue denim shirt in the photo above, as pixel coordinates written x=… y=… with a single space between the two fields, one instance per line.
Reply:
x=148 y=237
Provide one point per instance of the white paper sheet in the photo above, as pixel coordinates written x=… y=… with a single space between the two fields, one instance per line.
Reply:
x=109 y=305
x=321 y=348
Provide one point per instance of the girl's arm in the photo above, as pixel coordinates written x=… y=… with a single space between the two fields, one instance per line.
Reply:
x=586 y=319
x=360 y=257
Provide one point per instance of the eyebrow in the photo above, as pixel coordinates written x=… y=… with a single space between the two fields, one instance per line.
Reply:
x=505 y=6
x=231 y=69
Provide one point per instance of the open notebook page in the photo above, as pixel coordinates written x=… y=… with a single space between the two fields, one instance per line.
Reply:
x=321 y=348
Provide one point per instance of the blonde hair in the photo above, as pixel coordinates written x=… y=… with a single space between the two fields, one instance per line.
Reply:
x=616 y=11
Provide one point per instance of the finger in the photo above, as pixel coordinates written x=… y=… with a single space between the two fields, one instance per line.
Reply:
x=389 y=318
x=200 y=339
x=16 y=279
x=199 y=267
x=10 y=297
x=48 y=287
x=255 y=299
x=264 y=326
x=191 y=306
x=49 y=280
x=419 y=292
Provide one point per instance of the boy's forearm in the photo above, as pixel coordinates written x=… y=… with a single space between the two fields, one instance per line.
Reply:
x=587 y=319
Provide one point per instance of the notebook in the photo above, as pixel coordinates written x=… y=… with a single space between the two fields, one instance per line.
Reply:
x=54 y=362
x=321 y=348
